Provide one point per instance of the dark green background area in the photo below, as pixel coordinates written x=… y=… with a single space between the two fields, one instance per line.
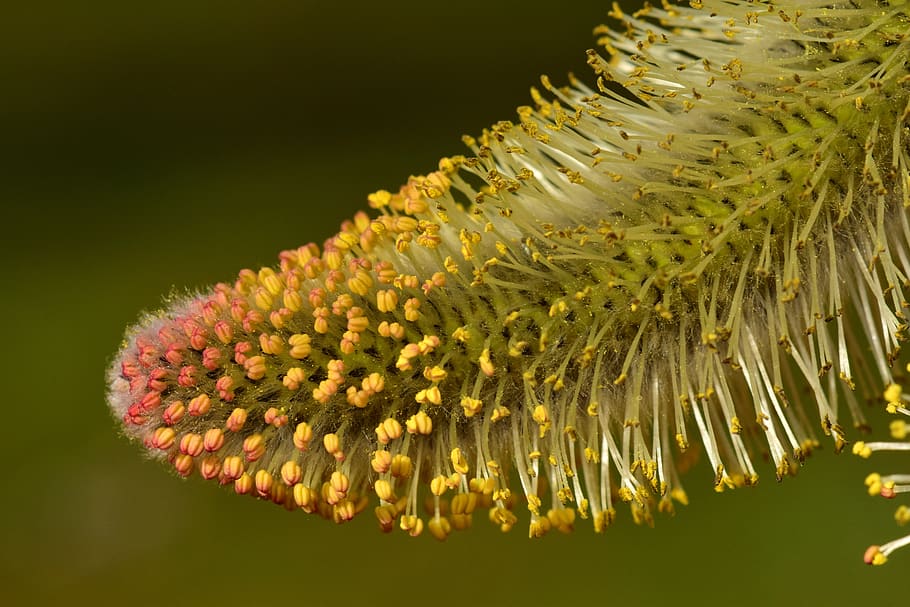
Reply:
x=146 y=149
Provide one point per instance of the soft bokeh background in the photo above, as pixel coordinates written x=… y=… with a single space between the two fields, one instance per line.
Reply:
x=156 y=146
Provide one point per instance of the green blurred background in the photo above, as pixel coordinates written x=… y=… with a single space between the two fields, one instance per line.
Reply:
x=151 y=147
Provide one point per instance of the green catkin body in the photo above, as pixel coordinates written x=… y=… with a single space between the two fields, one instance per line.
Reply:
x=657 y=262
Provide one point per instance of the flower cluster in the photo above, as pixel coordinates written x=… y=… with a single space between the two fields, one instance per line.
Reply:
x=891 y=485
x=627 y=272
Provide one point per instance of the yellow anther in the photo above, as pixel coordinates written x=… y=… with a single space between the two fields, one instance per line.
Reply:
x=874 y=556
x=437 y=182
x=482 y=486
x=342 y=304
x=412 y=309
x=503 y=517
x=175 y=412
x=332 y=444
x=300 y=345
x=344 y=511
x=420 y=423
x=471 y=406
x=213 y=439
x=518 y=348
x=340 y=483
x=429 y=239
x=361 y=282
x=388 y=430
x=383 y=489
x=294 y=378
x=330 y=495
x=440 y=528
x=500 y=412
x=333 y=259
x=428 y=344
x=401 y=466
x=380 y=199
x=411 y=524
x=899 y=429
x=874 y=483
x=327 y=388
x=357 y=398
x=232 y=467
x=321 y=320
x=459 y=462
x=291 y=473
x=591 y=456
x=415 y=205
x=408 y=354
x=386 y=514
x=453 y=480
x=681 y=442
x=253 y=447
x=438 y=485
x=268 y=279
x=461 y=334
x=493 y=467
x=335 y=370
x=255 y=367
x=345 y=240
x=356 y=322
x=396 y=331
x=304 y=497
x=541 y=416
x=438 y=280
x=861 y=449
x=387 y=301
x=292 y=300
x=486 y=365
x=244 y=484
x=539 y=527
x=373 y=383
x=263 y=299
x=303 y=434
x=893 y=394
x=430 y=395
x=163 y=438
x=402 y=225
x=434 y=374
x=563 y=519
x=464 y=503
x=271 y=344
x=534 y=504
x=450 y=265
x=558 y=308
x=263 y=482
x=583 y=509
x=403 y=363
x=382 y=461
x=406 y=281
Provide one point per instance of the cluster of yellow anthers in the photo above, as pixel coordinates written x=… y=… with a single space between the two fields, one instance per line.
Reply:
x=891 y=485
x=629 y=269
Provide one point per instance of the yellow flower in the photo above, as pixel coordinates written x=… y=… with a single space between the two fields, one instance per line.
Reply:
x=658 y=261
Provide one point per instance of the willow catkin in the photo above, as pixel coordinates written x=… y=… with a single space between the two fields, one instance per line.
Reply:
x=661 y=261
